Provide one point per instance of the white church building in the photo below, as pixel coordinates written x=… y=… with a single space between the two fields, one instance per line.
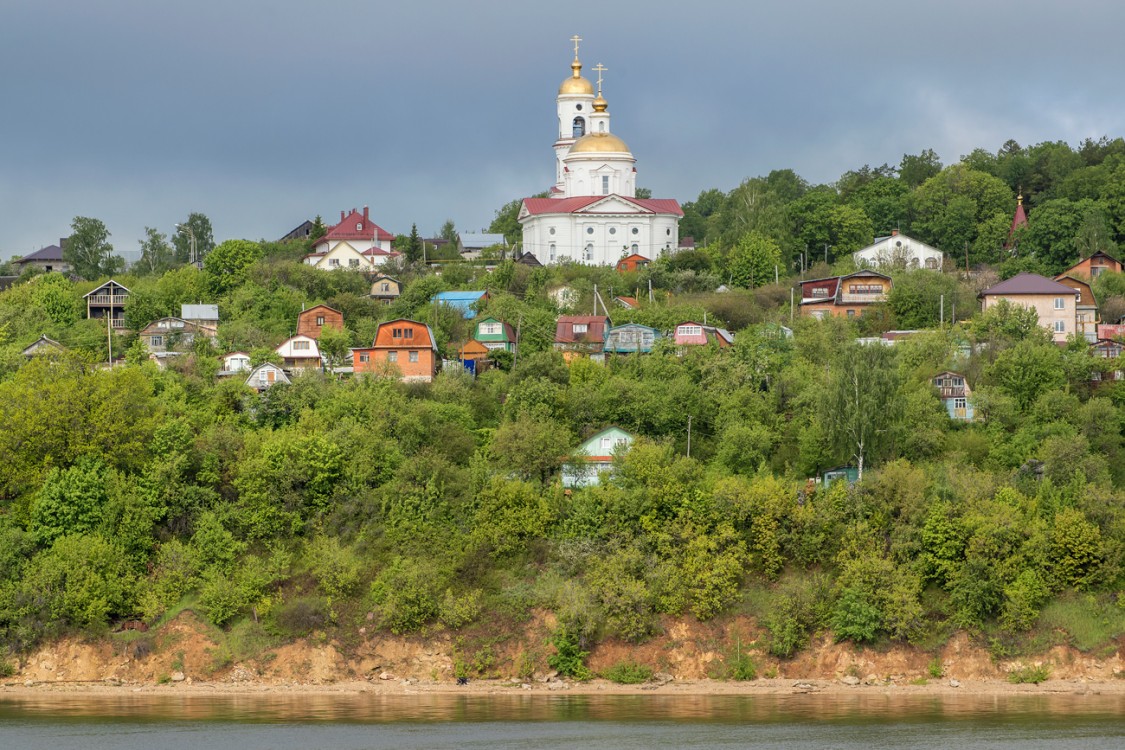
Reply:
x=593 y=215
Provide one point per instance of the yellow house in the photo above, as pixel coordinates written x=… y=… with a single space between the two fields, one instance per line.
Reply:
x=1056 y=304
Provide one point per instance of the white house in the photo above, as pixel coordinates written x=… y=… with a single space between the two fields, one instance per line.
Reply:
x=300 y=352
x=235 y=362
x=899 y=251
x=265 y=375
x=356 y=242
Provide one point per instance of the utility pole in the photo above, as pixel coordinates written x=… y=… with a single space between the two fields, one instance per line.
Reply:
x=516 y=353
x=109 y=332
x=943 y=311
x=790 y=306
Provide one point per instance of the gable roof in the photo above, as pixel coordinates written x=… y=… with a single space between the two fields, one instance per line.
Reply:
x=96 y=290
x=401 y=321
x=506 y=330
x=318 y=307
x=1027 y=283
x=356 y=226
x=588 y=204
x=592 y=442
x=595 y=329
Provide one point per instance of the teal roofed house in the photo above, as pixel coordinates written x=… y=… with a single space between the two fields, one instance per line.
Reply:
x=462 y=302
x=631 y=338
x=594 y=456
x=495 y=334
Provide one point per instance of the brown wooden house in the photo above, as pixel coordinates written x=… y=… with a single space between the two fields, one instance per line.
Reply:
x=405 y=345
x=312 y=321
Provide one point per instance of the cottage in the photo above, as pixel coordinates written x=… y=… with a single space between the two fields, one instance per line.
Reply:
x=314 y=320
x=300 y=352
x=356 y=242
x=43 y=346
x=385 y=289
x=47 y=259
x=234 y=362
x=407 y=346
x=594 y=456
x=172 y=335
x=634 y=262
x=202 y=315
x=581 y=336
x=1055 y=303
x=954 y=392
x=265 y=376
x=843 y=296
x=495 y=334
x=1086 y=309
x=631 y=338
x=696 y=334
x=1093 y=266
x=107 y=301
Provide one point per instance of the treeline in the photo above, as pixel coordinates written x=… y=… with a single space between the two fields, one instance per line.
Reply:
x=136 y=492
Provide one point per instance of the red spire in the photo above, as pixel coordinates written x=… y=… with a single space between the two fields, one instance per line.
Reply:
x=1019 y=220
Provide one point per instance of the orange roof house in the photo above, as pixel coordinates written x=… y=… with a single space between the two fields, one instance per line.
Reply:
x=1092 y=267
x=402 y=345
x=634 y=262
x=312 y=321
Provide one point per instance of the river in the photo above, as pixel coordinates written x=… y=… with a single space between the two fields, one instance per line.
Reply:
x=371 y=722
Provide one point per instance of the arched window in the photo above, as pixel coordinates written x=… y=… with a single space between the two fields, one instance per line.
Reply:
x=601 y=127
x=579 y=127
x=635 y=249
x=552 y=252
x=590 y=252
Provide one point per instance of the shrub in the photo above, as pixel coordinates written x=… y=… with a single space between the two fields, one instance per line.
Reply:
x=743 y=668
x=406 y=595
x=457 y=611
x=628 y=673
x=7 y=669
x=222 y=598
x=1033 y=675
x=301 y=616
x=569 y=658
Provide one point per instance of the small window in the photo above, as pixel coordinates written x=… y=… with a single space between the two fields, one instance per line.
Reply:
x=601 y=127
x=578 y=127
x=353 y=262
x=300 y=346
x=607 y=445
x=157 y=340
x=851 y=313
x=396 y=333
x=579 y=328
x=408 y=333
x=551 y=230
x=635 y=248
x=552 y=251
x=636 y=231
x=1060 y=326
x=413 y=356
x=1060 y=303
x=320 y=320
x=392 y=356
x=959 y=403
x=589 y=230
x=590 y=252
x=605 y=184
x=691 y=330
x=365 y=357
x=613 y=230
x=384 y=287
x=359 y=226
x=333 y=262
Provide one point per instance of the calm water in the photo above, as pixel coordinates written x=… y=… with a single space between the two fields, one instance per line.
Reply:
x=351 y=722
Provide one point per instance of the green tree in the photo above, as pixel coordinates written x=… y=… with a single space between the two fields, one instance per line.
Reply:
x=916 y=169
x=754 y=260
x=156 y=253
x=862 y=403
x=88 y=250
x=199 y=227
x=227 y=264
x=318 y=230
x=413 y=250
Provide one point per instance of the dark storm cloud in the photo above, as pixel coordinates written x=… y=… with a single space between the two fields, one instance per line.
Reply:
x=264 y=114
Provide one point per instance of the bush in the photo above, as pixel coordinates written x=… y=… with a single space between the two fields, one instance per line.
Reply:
x=222 y=598
x=628 y=673
x=301 y=616
x=743 y=668
x=406 y=595
x=569 y=658
x=7 y=669
x=1033 y=675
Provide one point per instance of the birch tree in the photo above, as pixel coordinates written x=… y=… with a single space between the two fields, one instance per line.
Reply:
x=862 y=403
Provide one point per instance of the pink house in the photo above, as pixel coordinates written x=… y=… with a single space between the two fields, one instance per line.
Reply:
x=695 y=334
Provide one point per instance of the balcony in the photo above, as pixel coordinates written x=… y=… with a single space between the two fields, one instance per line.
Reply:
x=863 y=298
x=112 y=300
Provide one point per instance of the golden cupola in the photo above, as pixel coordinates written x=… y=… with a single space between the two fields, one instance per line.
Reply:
x=576 y=84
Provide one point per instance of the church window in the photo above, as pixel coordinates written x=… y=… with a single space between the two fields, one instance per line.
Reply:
x=668 y=232
x=613 y=230
x=635 y=248
x=551 y=230
x=589 y=230
x=605 y=184
x=601 y=127
x=636 y=231
x=578 y=127
x=552 y=252
x=578 y=107
x=590 y=251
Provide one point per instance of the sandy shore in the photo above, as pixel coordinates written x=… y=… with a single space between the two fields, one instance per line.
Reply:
x=593 y=687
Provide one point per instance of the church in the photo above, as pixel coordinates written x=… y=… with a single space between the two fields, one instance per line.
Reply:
x=593 y=215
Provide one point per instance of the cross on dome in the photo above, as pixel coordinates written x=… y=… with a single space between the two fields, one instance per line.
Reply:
x=576 y=39
x=601 y=69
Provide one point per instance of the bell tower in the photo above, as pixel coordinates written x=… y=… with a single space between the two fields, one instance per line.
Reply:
x=575 y=106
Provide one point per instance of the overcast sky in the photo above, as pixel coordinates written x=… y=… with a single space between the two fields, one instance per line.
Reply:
x=263 y=114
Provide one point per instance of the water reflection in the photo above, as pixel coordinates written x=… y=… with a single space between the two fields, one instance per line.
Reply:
x=366 y=708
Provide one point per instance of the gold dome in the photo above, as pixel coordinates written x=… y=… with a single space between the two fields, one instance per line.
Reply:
x=600 y=104
x=576 y=84
x=595 y=143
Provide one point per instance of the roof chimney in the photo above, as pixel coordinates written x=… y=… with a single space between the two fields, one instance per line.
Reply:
x=342 y=214
x=365 y=213
x=894 y=233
